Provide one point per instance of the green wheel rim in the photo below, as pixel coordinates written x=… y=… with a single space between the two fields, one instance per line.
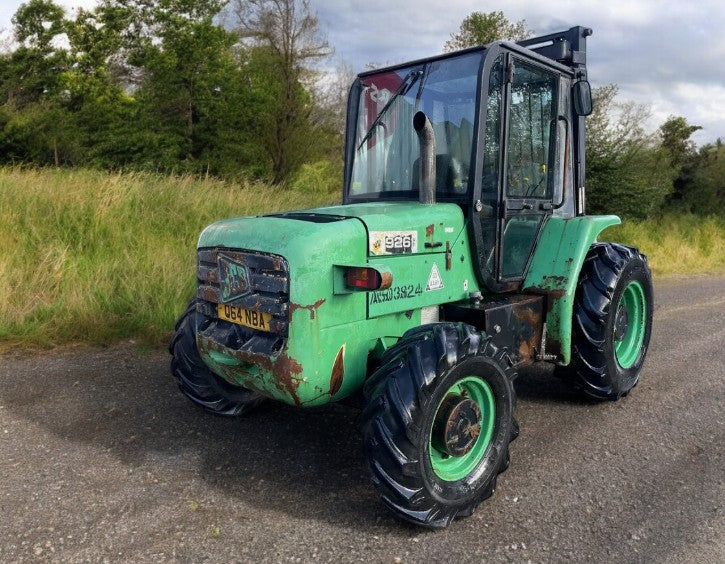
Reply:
x=452 y=468
x=628 y=346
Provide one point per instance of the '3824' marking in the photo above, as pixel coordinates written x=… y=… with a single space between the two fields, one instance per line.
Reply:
x=396 y=293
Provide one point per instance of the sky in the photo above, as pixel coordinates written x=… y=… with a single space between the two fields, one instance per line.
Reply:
x=668 y=55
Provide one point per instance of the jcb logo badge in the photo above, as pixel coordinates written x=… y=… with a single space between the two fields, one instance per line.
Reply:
x=233 y=279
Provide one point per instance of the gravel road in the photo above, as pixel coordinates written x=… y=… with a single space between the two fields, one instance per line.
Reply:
x=101 y=459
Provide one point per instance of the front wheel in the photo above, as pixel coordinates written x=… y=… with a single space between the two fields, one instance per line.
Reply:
x=438 y=423
x=612 y=321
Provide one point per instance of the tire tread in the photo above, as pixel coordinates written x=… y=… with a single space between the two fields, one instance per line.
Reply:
x=396 y=393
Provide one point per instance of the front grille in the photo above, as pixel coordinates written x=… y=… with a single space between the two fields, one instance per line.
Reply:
x=268 y=284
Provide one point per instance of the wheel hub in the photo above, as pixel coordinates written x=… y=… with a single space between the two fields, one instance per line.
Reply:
x=457 y=425
x=621 y=323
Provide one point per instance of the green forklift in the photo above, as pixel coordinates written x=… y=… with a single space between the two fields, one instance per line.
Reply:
x=460 y=253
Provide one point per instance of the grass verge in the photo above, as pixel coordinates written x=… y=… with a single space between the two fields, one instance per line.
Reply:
x=87 y=256
x=95 y=257
x=676 y=244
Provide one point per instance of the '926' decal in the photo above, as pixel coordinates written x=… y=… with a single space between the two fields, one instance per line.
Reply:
x=393 y=242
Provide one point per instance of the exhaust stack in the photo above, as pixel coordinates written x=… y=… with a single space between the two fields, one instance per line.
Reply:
x=427 y=178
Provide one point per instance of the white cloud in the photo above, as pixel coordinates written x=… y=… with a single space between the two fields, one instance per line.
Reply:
x=667 y=54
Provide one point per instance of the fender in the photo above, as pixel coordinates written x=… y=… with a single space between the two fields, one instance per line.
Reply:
x=554 y=272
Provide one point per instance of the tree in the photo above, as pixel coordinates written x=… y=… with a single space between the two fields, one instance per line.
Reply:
x=700 y=184
x=37 y=23
x=628 y=171
x=285 y=43
x=675 y=134
x=479 y=28
x=33 y=69
x=707 y=189
x=32 y=89
x=180 y=68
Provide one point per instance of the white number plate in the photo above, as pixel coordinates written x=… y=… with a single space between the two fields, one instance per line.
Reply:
x=393 y=242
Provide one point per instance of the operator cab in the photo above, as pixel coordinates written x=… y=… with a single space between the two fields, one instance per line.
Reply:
x=508 y=123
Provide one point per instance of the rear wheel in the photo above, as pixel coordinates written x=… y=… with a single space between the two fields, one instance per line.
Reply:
x=438 y=423
x=612 y=321
x=194 y=378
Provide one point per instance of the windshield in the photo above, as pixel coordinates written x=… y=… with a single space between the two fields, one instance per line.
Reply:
x=386 y=151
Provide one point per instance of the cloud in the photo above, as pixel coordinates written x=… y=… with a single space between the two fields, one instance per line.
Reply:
x=667 y=55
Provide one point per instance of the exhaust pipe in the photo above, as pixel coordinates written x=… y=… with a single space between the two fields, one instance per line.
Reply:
x=426 y=138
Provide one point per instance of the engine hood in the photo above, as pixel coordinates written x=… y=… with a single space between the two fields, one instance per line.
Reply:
x=287 y=235
x=386 y=228
x=400 y=227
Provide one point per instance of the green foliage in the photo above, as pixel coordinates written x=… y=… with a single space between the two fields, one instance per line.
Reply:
x=479 y=28
x=284 y=38
x=37 y=23
x=675 y=133
x=703 y=191
x=160 y=85
x=700 y=183
x=91 y=256
x=628 y=172
x=321 y=177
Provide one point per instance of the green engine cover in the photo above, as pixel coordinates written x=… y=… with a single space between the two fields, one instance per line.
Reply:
x=332 y=329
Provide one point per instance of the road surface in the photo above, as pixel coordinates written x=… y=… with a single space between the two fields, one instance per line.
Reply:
x=102 y=459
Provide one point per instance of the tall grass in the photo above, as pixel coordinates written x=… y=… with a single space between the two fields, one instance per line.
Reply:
x=91 y=256
x=676 y=244
x=94 y=257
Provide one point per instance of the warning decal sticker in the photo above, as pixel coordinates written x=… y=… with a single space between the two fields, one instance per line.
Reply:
x=434 y=280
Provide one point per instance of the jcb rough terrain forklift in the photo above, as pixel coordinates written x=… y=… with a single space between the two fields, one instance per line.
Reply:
x=461 y=251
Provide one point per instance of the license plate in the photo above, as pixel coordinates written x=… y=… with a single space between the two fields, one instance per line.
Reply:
x=254 y=319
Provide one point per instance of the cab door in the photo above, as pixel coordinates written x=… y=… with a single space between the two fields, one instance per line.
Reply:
x=529 y=150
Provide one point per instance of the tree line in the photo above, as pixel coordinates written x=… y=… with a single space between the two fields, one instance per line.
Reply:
x=229 y=88
x=202 y=86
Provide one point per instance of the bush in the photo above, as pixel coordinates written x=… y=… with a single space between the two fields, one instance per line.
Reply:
x=628 y=172
x=321 y=177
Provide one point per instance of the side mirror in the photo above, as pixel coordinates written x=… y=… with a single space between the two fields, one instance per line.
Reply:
x=582 y=96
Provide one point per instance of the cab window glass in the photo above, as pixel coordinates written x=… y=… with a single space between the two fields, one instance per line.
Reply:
x=532 y=117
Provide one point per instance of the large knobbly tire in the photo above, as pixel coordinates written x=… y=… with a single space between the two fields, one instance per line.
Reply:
x=431 y=377
x=194 y=378
x=612 y=321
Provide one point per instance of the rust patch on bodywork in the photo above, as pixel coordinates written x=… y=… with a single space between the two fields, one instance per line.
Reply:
x=514 y=322
x=553 y=282
x=338 y=372
x=552 y=296
x=311 y=308
x=551 y=289
x=429 y=230
x=530 y=316
x=282 y=367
